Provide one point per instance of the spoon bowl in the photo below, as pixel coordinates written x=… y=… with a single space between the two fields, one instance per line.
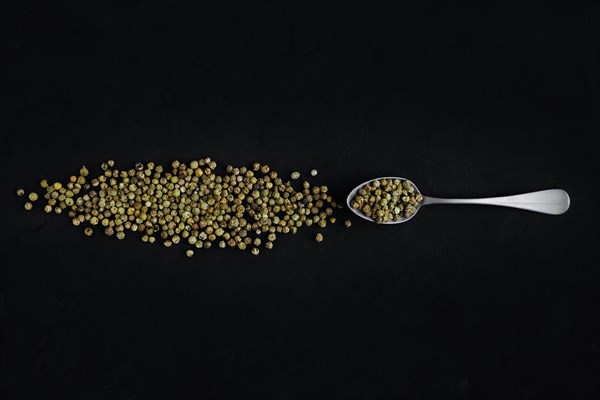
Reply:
x=360 y=214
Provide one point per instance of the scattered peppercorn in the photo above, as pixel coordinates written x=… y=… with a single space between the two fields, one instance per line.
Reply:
x=244 y=208
x=189 y=253
x=319 y=237
x=295 y=175
x=28 y=206
x=20 y=192
x=347 y=223
x=313 y=172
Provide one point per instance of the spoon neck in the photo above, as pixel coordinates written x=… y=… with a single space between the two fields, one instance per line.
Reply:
x=428 y=200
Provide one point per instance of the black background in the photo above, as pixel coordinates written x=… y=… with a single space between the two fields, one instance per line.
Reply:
x=462 y=302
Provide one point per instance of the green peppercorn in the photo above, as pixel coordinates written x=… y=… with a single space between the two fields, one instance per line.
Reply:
x=387 y=200
x=347 y=223
x=255 y=251
x=20 y=192
x=28 y=206
x=193 y=203
x=189 y=253
x=295 y=175
x=319 y=237
x=88 y=231
x=313 y=172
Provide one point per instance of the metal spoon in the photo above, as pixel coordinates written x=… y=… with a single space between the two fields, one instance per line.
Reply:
x=551 y=201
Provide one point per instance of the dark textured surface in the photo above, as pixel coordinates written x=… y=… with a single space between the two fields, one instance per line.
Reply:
x=462 y=302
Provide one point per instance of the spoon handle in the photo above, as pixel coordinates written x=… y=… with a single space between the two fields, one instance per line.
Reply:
x=552 y=201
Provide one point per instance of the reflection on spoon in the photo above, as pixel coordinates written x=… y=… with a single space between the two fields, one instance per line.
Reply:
x=551 y=201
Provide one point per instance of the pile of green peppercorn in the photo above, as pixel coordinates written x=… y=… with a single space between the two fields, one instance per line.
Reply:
x=243 y=208
x=386 y=200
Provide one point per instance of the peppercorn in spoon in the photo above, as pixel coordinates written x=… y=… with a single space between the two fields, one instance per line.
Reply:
x=394 y=200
